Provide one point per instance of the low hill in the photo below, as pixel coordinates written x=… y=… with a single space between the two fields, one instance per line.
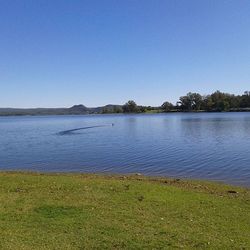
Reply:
x=74 y=110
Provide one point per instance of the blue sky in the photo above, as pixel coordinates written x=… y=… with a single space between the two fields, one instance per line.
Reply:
x=57 y=53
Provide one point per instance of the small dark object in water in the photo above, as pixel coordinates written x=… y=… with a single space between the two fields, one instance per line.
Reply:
x=140 y=198
x=232 y=192
x=70 y=131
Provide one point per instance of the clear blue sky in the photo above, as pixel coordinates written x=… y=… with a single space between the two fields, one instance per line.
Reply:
x=56 y=53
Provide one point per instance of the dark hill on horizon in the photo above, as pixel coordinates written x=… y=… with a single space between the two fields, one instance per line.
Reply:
x=74 y=110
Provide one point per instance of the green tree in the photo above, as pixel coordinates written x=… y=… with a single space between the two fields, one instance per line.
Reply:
x=118 y=109
x=191 y=101
x=167 y=106
x=220 y=101
x=245 y=100
x=130 y=107
x=207 y=103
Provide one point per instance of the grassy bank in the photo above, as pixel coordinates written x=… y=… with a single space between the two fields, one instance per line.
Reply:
x=70 y=211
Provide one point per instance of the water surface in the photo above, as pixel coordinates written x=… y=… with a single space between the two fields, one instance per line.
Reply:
x=213 y=146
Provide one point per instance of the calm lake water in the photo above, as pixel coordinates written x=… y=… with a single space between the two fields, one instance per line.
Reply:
x=213 y=146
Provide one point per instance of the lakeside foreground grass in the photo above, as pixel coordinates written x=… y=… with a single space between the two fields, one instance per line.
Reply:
x=76 y=211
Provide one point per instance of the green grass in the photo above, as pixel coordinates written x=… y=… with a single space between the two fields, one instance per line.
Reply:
x=155 y=111
x=73 y=211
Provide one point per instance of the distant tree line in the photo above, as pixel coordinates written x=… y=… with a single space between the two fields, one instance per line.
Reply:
x=132 y=107
x=191 y=102
x=217 y=101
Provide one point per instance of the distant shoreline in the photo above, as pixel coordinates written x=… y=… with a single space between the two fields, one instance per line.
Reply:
x=129 y=175
x=28 y=113
x=180 y=181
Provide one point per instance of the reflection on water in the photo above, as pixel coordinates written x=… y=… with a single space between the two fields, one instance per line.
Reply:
x=71 y=131
x=204 y=145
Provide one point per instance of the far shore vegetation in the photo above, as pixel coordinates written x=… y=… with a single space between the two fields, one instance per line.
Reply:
x=87 y=211
x=195 y=102
x=191 y=102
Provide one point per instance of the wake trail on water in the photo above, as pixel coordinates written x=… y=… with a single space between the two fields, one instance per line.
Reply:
x=70 y=131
